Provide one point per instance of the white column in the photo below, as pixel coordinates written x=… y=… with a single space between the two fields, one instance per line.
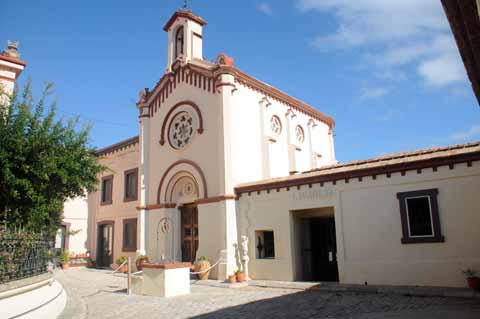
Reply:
x=144 y=174
x=332 y=148
x=264 y=103
x=313 y=161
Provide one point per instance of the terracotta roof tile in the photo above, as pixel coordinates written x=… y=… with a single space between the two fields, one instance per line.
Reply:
x=386 y=164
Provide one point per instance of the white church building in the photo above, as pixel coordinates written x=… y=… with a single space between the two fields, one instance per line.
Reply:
x=221 y=155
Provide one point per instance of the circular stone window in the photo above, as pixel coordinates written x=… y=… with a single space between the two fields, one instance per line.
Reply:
x=299 y=134
x=275 y=125
x=181 y=130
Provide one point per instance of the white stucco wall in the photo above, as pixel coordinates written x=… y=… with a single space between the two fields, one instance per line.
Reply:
x=368 y=228
x=75 y=213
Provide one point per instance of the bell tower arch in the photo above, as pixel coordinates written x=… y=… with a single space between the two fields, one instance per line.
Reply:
x=185 y=37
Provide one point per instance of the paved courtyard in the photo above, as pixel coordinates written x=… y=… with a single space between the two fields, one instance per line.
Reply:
x=98 y=294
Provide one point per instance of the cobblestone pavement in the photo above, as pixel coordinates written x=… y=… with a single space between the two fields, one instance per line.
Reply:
x=97 y=294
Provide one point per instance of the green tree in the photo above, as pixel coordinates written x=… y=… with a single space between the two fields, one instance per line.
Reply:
x=43 y=162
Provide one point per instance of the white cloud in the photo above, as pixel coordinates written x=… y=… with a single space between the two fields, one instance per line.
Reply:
x=369 y=93
x=392 y=34
x=441 y=71
x=265 y=8
x=465 y=135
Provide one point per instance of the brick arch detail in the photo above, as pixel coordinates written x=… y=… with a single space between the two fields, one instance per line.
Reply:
x=195 y=166
x=172 y=109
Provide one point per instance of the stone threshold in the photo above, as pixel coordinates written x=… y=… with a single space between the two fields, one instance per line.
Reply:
x=417 y=291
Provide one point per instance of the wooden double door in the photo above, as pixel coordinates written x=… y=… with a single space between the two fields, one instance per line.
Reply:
x=189 y=236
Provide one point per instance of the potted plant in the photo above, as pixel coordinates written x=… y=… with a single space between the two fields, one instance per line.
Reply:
x=232 y=278
x=240 y=276
x=140 y=261
x=472 y=280
x=65 y=259
x=202 y=264
x=120 y=260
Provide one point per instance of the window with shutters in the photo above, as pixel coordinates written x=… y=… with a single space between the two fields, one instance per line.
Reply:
x=107 y=190
x=131 y=185
x=129 y=234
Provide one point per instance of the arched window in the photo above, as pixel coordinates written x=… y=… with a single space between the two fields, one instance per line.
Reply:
x=179 y=42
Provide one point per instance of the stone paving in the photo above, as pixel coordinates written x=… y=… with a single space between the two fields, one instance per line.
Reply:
x=98 y=294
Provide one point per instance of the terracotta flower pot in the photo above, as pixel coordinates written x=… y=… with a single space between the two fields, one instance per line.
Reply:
x=65 y=266
x=232 y=279
x=241 y=276
x=140 y=263
x=123 y=269
x=473 y=282
x=202 y=265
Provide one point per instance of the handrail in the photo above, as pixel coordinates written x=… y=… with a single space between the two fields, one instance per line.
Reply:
x=208 y=269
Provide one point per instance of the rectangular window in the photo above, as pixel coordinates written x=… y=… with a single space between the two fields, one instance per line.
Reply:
x=265 y=244
x=129 y=234
x=107 y=189
x=131 y=185
x=420 y=217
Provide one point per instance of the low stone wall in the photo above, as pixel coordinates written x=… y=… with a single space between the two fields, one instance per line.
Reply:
x=24 y=282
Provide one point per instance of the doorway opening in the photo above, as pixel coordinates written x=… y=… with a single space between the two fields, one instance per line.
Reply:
x=189 y=234
x=105 y=244
x=315 y=245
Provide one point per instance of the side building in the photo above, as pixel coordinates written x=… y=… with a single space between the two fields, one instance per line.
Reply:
x=112 y=209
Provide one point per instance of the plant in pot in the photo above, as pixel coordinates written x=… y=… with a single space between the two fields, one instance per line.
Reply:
x=120 y=260
x=232 y=278
x=201 y=265
x=240 y=276
x=65 y=259
x=472 y=280
x=140 y=261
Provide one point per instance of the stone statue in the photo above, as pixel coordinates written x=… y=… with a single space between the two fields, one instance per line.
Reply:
x=244 y=255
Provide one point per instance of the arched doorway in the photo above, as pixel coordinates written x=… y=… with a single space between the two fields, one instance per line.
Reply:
x=181 y=186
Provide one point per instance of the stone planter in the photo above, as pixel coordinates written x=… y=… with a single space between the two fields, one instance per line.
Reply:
x=232 y=279
x=202 y=265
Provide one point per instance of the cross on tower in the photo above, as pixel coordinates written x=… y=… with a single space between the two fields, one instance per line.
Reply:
x=185 y=4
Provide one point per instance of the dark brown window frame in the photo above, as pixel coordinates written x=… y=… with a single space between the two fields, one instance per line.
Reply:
x=128 y=221
x=258 y=253
x=127 y=172
x=109 y=202
x=437 y=232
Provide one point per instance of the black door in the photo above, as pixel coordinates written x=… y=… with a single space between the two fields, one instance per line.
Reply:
x=105 y=245
x=323 y=245
x=189 y=216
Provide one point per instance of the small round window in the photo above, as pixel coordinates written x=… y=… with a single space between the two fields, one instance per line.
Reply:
x=181 y=130
x=275 y=125
x=299 y=134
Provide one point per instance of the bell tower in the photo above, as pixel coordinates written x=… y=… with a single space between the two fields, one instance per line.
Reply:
x=10 y=68
x=184 y=37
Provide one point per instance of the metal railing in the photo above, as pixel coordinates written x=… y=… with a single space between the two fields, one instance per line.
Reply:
x=23 y=254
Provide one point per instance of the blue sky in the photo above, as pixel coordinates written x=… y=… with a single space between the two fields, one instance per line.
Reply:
x=388 y=72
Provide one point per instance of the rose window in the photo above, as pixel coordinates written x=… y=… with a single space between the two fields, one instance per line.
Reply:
x=181 y=130
x=275 y=125
x=299 y=134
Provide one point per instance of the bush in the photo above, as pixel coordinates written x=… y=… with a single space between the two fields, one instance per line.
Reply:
x=65 y=257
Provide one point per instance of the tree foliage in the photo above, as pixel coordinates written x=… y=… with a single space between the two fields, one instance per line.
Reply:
x=43 y=162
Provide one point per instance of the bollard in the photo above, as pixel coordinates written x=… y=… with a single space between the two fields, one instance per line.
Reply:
x=129 y=276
